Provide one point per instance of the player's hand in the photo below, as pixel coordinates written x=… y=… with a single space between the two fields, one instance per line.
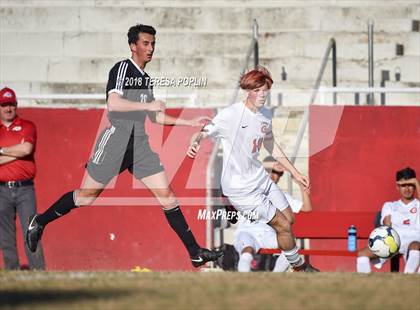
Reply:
x=303 y=180
x=306 y=190
x=193 y=149
x=156 y=106
x=199 y=121
x=410 y=181
x=302 y=187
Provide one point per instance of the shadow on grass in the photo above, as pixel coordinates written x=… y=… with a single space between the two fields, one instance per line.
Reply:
x=47 y=296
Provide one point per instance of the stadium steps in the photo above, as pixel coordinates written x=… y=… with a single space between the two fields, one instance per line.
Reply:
x=70 y=45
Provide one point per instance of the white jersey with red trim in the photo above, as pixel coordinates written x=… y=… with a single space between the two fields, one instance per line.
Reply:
x=242 y=133
x=405 y=218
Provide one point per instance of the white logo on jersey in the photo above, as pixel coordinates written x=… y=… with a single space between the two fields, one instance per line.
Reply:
x=17 y=128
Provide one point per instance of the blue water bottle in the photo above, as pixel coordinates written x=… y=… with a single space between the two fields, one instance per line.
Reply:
x=352 y=239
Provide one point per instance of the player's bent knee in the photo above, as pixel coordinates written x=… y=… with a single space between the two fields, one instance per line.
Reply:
x=414 y=246
x=166 y=198
x=286 y=226
x=289 y=215
x=86 y=197
x=280 y=224
x=169 y=203
x=248 y=249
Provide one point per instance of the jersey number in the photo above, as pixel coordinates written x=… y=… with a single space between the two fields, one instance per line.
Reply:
x=143 y=98
x=257 y=145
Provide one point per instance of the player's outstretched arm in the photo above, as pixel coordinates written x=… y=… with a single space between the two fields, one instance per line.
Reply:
x=116 y=103
x=165 y=119
x=195 y=143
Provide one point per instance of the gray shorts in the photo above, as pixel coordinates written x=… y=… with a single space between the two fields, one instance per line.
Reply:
x=117 y=150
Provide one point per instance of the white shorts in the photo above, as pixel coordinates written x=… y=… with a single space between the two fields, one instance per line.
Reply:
x=261 y=239
x=263 y=202
x=405 y=242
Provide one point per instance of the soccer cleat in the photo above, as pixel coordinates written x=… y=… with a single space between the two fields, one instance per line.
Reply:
x=204 y=256
x=34 y=233
x=306 y=268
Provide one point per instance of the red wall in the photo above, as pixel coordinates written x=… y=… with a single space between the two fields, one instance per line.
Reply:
x=81 y=240
x=355 y=153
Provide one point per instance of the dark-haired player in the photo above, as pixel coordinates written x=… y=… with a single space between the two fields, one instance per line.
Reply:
x=404 y=216
x=244 y=128
x=124 y=145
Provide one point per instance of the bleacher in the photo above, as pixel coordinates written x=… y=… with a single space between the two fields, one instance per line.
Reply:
x=66 y=46
x=50 y=47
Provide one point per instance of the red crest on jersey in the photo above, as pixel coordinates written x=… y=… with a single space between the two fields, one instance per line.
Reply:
x=264 y=127
x=413 y=210
x=406 y=222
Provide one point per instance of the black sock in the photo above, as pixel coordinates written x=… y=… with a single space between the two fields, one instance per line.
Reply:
x=59 y=208
x=177 y=221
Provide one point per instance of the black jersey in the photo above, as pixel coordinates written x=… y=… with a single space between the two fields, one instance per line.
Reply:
x=128 y=80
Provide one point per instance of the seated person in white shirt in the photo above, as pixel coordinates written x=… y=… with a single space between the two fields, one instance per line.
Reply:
x=250 y=236
x=403 y=216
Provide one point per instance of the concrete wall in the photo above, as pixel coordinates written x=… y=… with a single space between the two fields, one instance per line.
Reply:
x=58 y=46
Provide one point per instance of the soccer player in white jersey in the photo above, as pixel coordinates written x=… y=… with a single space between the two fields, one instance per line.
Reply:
x=244 y=128
x=404 y=216
x=250 y=236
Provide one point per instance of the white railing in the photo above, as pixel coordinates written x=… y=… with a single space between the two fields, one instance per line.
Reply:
x=324 y=91
x=368 y=90
x=32 y=100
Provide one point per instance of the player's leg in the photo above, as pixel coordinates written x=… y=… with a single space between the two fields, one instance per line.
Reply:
x=278 y=199
x=282 y=220
x=25 y=207
x=82 y=197
x=245 y=259
x=286 y=241
x=413 y=257
x=8 y=229
x=281 y=263
x=105 y=163
x=268 y=240
x=246 y=245
x=364 y=256
x=285 y=238
x=158 y=184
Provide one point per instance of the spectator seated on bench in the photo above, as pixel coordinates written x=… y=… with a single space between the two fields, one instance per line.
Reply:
x=403 y=216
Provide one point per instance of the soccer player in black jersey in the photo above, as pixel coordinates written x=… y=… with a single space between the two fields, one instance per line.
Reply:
x=124 y=145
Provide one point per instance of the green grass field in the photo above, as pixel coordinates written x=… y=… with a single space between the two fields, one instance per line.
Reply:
x=173 y=290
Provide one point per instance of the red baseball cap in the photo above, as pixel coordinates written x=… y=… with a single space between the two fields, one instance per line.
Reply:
x=7 y=96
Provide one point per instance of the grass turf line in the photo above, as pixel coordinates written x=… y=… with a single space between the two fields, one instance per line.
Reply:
x=178 y=290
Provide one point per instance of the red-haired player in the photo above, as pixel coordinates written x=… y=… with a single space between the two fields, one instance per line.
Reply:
x=244 y=128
